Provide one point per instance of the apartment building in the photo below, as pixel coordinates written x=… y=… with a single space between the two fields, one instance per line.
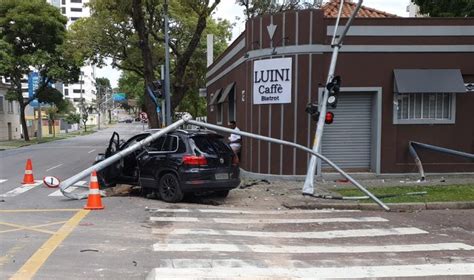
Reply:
x=74 y=10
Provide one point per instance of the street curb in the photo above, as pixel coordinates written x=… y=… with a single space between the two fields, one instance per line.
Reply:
x=373 y=206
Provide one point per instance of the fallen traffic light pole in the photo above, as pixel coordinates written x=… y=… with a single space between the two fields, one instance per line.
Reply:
x=187 y=119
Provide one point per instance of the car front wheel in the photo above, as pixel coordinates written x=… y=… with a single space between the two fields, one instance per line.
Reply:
x=169 y=188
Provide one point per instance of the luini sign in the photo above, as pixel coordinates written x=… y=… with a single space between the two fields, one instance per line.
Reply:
x=272 y=81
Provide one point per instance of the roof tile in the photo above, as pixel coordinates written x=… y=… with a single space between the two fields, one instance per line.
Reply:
x=331 y=9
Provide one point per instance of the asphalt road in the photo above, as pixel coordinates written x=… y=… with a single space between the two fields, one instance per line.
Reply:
x=45 y=236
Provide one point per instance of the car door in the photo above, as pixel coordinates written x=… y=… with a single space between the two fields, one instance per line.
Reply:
x=125 y=170
x=155 y=159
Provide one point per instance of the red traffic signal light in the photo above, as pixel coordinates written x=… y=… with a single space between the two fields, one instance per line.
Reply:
x=329 y=118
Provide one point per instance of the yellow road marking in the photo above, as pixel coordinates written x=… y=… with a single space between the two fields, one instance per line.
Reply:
x=25 y=227
x=29 y=269
x=37 y=210
x=32 y=227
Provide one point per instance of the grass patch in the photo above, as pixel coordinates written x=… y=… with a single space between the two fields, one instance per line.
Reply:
x=442 y=193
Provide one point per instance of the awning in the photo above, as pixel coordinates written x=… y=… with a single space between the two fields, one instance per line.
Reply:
x=226 y=92
x=215 y=96
x=429 y=81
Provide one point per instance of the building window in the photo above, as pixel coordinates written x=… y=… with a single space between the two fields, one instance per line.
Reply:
x=66 y=92
x=63 y=2
x=74 y=18
x=63 y=10
x=219 y=113
x=10 y=107
x=76 y=9
x=77 y=91
x=1 y=104
x=76 y=1
x=231 y=103
x=420 y=108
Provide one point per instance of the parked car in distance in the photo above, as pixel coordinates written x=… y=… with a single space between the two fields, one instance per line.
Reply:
x=179 y=163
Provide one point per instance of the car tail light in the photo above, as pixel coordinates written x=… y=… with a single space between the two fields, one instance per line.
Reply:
x=194 y=160
x=235 y=160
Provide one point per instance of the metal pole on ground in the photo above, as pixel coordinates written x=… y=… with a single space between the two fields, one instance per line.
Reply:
x=101 y=165
x=282 y=142
x=308 y=187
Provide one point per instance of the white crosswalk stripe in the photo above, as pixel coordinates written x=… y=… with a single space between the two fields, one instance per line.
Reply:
x=21 y=189
x=256 y=212
x=267 y=221
x=70 y=189
x=222 y=247
x=221 y=243
x=245 y=272
x=308 y=235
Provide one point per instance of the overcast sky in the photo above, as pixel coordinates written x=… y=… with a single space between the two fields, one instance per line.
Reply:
x=234 y=13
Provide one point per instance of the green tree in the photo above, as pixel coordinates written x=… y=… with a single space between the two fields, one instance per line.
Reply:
x=446 y=8
x=131 y=33
x=260 y=7
x=73 y=118
x=102 y=88
x=132 y=85
x=31 y=37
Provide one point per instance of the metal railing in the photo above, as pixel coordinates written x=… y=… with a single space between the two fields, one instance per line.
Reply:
x=412 y=148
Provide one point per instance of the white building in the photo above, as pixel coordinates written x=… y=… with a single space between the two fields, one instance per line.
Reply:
x=413 y=10
x=74 y=10
x=9 y=116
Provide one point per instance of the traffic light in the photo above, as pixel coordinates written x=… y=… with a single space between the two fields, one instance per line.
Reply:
x=329 y=118
x=333 y=89
x=157 y=88
x=312 y=109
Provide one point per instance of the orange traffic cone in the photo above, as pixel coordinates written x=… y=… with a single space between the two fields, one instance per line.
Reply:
x=94 y=202
x=28 y=178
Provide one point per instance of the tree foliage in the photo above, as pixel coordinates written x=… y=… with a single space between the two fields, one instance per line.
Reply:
x=446 y=8
x=31 y=37
x=130 y=32
x=260 y=7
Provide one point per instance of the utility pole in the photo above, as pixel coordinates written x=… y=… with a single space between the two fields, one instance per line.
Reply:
x=163 y=105
x=98 y=98
x=167 y=66
x=81 y=106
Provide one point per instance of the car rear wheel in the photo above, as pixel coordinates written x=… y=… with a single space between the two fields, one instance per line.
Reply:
x=169 y=188
x=222 y=193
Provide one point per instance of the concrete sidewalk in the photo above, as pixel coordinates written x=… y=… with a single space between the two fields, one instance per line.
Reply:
x=288 y=194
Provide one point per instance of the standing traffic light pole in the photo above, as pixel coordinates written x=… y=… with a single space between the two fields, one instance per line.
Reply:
x=308 y=187
x=167 y=67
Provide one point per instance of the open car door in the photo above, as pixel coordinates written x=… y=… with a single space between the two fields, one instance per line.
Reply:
x=124 y=171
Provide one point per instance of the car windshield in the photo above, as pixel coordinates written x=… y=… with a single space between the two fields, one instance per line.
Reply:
x=211 y=144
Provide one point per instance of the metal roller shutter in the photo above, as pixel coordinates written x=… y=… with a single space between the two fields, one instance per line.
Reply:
x=347 y=141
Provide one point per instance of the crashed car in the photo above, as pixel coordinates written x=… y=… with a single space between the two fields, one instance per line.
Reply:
x=179 y=163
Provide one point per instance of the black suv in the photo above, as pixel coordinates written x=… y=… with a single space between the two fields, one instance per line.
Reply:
x=184 y=161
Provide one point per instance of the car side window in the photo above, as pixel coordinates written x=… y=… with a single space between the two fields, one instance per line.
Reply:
x=181 y=146
x=134 y=140
x=166 y=143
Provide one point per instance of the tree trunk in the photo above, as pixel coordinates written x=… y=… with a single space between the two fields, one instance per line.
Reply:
x=23 y=121
x=54 y=129
x=180 y=87
x=143 y=35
